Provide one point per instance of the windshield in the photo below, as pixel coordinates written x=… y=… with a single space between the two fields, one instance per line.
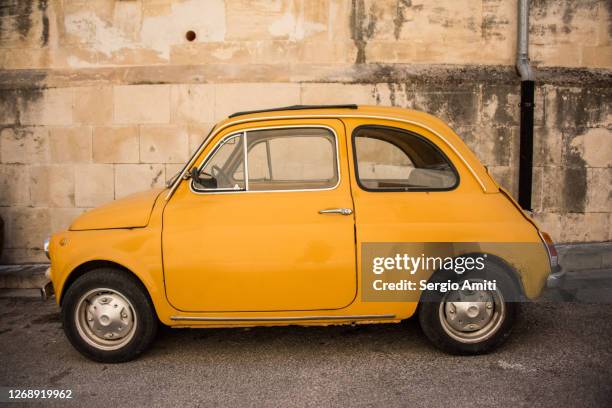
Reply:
x=172 y=180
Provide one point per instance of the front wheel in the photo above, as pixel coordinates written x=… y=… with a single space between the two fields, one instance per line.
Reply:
x=108 y=317
x=470 y=321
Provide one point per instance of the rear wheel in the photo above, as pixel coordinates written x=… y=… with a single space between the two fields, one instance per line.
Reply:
x=470 y=321
x=108 y=317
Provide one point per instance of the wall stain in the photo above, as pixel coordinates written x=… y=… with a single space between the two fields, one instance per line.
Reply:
x=392 y=93
x=568 y=16
x=439 y=17
x=608 y=5
x=8 y=107
x=363 y=26
x=574 y=176
x=502 y=145
x=44 y=35
x=492 y=27
x=456 y=108
x=24 y=22
x=400 y=16
x=583 y=107
x=17 y=18
x=376 y=95
x=505 y=113
x=25 y=97
x=156 y=178
x=19 y=12
x=540 y=9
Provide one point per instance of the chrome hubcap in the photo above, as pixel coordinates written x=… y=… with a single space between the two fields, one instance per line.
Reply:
x=472 y=316
x=105 y=319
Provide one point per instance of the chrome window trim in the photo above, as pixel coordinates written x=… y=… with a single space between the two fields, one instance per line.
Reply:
x=317 y=116
x=281 y=318
x=245 y=152
x=244 y=133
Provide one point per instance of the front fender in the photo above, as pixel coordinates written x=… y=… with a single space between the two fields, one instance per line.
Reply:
x=137 y=250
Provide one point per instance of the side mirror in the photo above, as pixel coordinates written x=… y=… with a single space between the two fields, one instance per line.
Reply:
x=195 y=174
x=208 y=182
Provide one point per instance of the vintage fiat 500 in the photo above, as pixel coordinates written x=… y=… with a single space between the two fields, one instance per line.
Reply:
x=277 y=219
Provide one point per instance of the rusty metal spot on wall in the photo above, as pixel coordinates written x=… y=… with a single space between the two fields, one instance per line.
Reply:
x=190 y=35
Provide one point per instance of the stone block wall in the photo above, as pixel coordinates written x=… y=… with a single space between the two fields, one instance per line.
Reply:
x=102 y=98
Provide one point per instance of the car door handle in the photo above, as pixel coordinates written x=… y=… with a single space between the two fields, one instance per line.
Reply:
x=343 y=211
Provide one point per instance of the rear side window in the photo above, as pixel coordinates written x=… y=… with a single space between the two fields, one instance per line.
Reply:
x=389 y=159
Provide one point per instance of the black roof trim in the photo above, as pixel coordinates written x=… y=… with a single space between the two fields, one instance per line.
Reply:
x=295 y=107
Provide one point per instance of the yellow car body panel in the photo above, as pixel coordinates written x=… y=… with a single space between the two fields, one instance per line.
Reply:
x=130 y=212
x=215 y=260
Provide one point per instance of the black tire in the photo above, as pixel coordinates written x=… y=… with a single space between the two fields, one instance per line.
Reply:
x=145 y=326
x=431 y=312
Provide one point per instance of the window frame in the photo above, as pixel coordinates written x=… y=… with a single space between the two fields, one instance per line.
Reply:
x=244 y=133
x=406 y=189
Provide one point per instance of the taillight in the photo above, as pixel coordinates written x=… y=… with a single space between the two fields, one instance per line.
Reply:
x=550 y=247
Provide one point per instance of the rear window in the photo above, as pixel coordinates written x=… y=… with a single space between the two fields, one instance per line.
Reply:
x=390 y=159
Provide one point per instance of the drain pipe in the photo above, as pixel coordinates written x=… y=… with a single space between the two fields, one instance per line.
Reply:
x=527 y=105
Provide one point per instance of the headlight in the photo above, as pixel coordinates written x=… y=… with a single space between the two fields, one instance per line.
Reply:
x=46 y=248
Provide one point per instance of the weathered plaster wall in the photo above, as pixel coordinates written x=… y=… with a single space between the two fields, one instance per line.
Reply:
x=86 y=33
x=101 y=98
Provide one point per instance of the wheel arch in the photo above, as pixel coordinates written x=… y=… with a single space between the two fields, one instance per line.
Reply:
x=513 y=274
x=92 y=265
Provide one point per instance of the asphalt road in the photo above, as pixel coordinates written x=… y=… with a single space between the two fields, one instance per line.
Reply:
x=559 y=355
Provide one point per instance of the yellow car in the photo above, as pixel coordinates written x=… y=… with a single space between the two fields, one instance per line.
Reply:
x=307 y=215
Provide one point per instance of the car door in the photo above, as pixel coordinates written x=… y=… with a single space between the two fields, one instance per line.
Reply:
x=407 y=194
x=411 y=174
x=268 y=225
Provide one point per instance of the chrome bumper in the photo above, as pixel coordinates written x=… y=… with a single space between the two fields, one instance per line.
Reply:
x=556 y=278
x=46 y=290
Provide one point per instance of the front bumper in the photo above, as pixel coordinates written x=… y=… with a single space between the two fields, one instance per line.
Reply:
x=556 y=278
x=46 y=290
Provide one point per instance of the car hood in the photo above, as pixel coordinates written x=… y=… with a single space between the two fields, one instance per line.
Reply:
x=132 y=211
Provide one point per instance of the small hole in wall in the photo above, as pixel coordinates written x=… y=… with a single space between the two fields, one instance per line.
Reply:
x=190 y=35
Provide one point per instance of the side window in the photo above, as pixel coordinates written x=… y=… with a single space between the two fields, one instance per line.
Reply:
x=224 y=168
x=291 y=159
x=259 y=162
x=395 y=160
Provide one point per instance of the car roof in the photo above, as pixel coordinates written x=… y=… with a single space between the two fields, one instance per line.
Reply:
x=331 y=111
x=294 y=108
